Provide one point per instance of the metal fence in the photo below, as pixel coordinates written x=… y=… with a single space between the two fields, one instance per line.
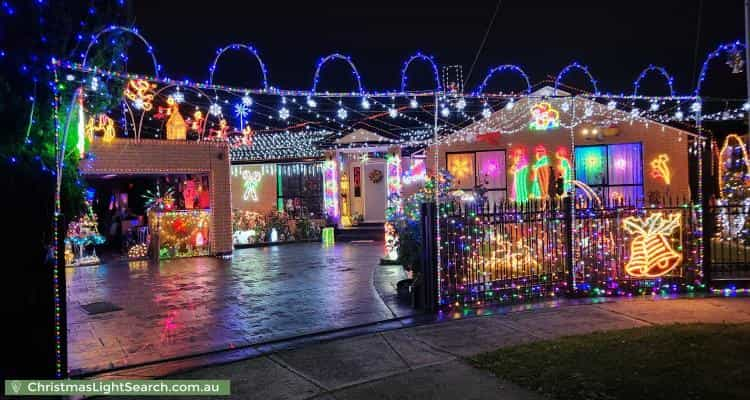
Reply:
x=509 y=252
x=730 y=245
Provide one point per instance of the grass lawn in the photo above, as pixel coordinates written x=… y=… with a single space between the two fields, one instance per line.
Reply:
x=692 y=361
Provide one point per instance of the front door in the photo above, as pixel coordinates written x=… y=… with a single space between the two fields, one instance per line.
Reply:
x=374 y=191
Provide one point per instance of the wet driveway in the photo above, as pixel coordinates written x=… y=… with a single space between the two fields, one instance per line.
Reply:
x=192 y=306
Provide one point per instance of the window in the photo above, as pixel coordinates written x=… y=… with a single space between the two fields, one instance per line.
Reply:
x=486 y=168
x=614 y=171
x=300 y=188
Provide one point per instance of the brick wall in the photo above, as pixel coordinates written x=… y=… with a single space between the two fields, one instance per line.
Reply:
x=162 y=157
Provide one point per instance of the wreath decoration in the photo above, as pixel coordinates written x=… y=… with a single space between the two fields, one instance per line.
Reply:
x=376 y=176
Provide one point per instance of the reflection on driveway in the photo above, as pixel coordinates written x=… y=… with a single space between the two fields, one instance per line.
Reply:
x=192 y=306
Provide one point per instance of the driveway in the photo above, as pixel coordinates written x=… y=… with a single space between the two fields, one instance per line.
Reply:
x=197 y=305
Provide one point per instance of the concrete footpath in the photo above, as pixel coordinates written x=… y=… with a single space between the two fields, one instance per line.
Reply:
x=427 y=361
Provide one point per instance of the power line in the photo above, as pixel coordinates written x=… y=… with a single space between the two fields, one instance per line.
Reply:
x=484 y=40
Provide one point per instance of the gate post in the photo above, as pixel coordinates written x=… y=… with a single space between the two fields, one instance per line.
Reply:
x=428 y=257
x=568 y=209
x=707 y=217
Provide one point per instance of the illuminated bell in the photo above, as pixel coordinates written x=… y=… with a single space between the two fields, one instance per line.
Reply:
x=461 y=104
x=365 y=105
x=654 y=106
x=565 y=106
x=392 y=112
x=413 y=103
x=678 y=115
x=611 y=105
x=509 y=105
x=311 y=102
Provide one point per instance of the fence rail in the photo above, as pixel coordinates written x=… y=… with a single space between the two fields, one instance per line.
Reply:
x=508 y=252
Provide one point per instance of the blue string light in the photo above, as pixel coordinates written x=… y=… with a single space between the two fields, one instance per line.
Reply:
x=238 y=46
x=507 y=67
x=430 y=60
x=576 y=66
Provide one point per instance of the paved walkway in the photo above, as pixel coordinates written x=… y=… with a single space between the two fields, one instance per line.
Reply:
x=192 y=306
x=427 y=361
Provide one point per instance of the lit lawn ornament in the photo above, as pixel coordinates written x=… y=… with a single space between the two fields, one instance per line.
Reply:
x=651 y=253
x=140 y=92
x=102 y=123
x=544 y=117
x=660 y=168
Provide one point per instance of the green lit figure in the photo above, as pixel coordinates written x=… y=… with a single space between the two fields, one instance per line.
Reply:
x=565 y=169
x=520 y=190
x=541 y=174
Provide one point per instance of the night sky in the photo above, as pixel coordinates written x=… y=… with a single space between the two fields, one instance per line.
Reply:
x=615 y=39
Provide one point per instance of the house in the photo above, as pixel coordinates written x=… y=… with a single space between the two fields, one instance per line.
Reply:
x=552 y=142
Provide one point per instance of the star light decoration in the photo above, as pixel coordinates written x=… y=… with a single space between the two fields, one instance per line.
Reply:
x=461 y=104
x=341 y=113
x=486 y=112
x=413 y=103
x=214 y=109
x=241 y=110
x=393 y=112
x=445 y=111
x=178 y=97
x=283 y=113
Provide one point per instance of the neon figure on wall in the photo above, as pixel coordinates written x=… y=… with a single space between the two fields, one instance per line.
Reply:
x=544 y=117
x=660 y=168
x=250 y=182
x=541 y=174
x=564 y=169
x=102 y=123
x=520 y=170
x=651 y=253
x=140 y=92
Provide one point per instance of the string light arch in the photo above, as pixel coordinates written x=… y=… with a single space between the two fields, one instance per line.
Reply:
x=428 y=59
x=507 y=67
x=576 y=66
x=723 y=48
x=238 y=46
x=118 y=28
x=661 y=71
x=337 y=56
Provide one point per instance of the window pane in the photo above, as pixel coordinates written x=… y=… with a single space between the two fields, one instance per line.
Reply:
x=491 y=169
x=461 y=166
x=625 y=164
x=591 y=164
